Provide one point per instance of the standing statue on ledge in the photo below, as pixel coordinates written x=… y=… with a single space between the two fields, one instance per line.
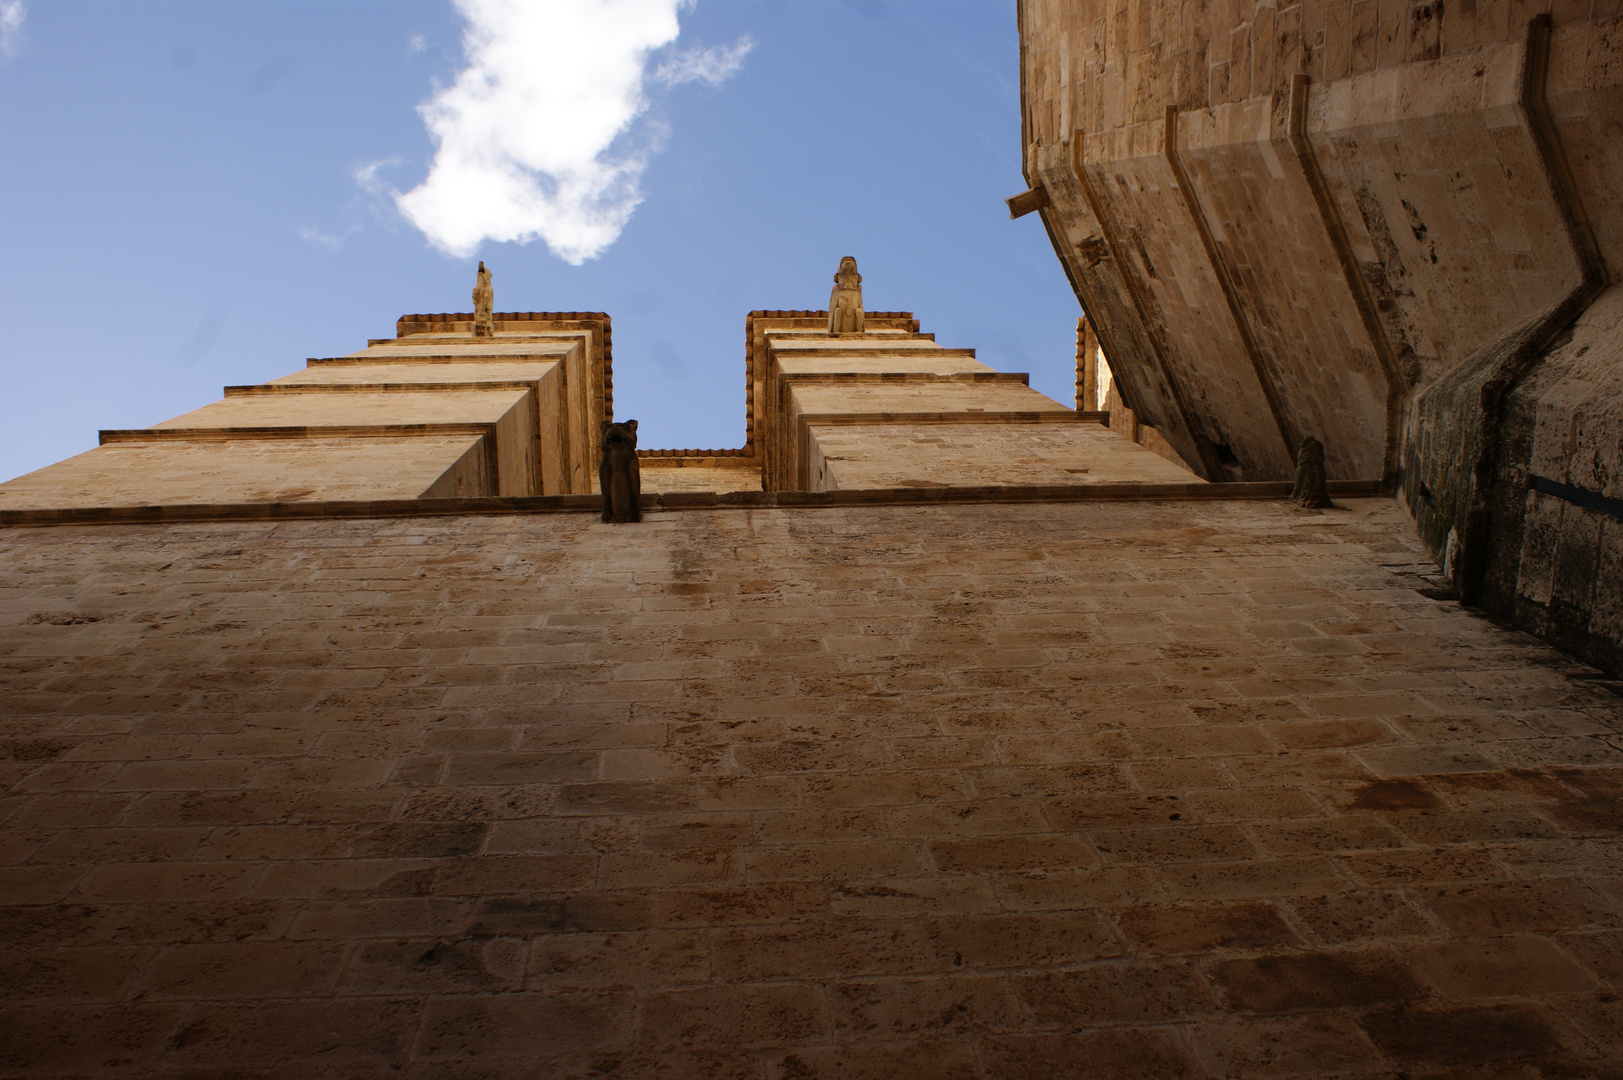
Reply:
x=845 y=302
x=617 y=475
x=484 y=299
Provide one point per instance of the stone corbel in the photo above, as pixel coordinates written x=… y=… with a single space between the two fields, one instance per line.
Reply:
x=1397 y=387
x=1108 y=246
x=1225 y=280
x=1027 y=201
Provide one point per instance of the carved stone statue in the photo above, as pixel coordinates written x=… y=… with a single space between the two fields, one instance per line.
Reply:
x=484 y=299
x=845 y=302
x=1310 y=490
x=618 y=475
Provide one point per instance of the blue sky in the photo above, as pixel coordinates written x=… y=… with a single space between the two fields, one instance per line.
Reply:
x=181 y=208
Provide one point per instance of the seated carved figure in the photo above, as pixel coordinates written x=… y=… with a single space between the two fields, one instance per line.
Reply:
x=618 y=476
x=845 y=302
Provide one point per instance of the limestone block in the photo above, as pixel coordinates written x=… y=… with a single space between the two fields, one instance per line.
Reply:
x=792 y=361
x=424 y=346
x=509 y=416
x=931 y=398
x=258 y=470
x=716 y=474
x=419 y=373
x=968 y=455
x=1585 y=95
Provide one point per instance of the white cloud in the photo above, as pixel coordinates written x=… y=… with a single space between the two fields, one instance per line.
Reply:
x=415 y=44
x=537 y=137
x=376 y=200
x=12 y=14
x=327 y=241
x=367 y=178
x=713 y=65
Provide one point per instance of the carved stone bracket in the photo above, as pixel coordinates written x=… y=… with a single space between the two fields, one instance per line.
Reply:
x=1225 y=280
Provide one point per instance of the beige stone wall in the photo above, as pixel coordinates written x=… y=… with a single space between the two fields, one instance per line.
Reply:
x=1105 y=789
x=470 y=477
x=330 y=408
x=432 y=415
x=256 y=470
x=359 y=372
x=889 y=379
x=1567 y=558
x=1106 y=64
x=893 y=408
x=714 y=474
x=979 y=454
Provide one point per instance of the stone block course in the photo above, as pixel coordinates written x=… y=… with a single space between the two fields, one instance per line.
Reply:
x=976 y=824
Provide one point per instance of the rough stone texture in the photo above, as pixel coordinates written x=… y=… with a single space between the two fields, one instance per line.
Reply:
x=700 y=474
x=1309 y=489
x=1374 y=222
x=1105 y=790
x=1559 y=566
x=959 y=455
x=1125 y=422
x=256 y=470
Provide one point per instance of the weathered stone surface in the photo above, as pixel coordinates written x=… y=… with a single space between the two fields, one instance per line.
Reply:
x=484 y=299
x=1163 y=789
x=845 y=314
x=1309 y=490
x=1391 y=226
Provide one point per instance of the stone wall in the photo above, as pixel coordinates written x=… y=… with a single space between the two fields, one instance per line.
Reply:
x=998 y=791
x=1378 y=223
x=892 y=408
x=434 y=414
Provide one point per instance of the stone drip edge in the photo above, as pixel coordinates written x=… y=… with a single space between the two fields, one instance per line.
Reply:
x=672 y=501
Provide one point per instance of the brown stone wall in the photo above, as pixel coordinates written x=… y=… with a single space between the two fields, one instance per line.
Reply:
x=1374 y=223
x=1044 y=790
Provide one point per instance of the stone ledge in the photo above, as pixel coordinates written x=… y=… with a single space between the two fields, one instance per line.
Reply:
x=331 y=431
x=359 y=359
x=842 y=377
x=656 y=456
x=1060 y=415
x=268 y=389
x=694 y=500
